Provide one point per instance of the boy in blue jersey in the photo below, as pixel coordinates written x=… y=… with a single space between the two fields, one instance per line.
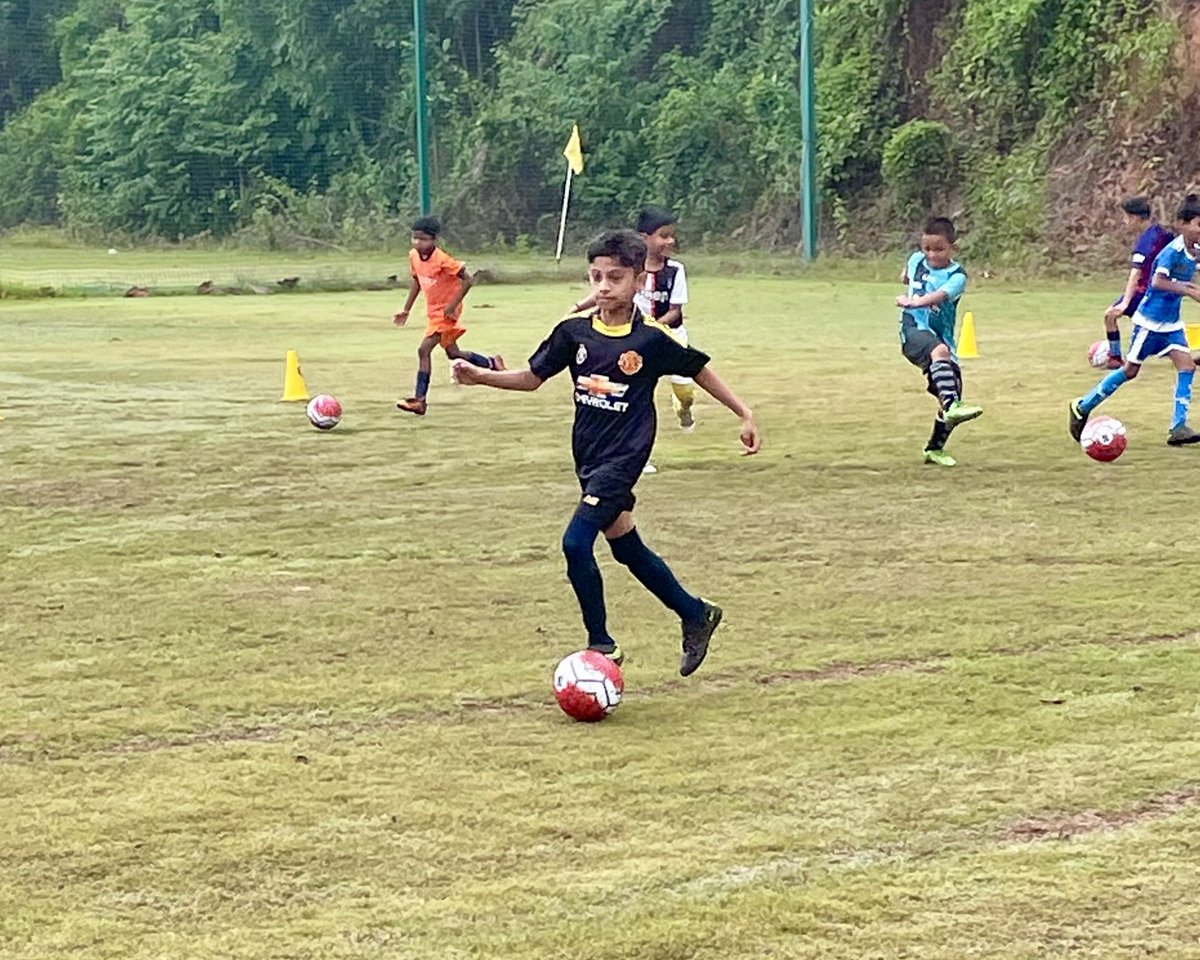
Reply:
x=936 y=282
x=1158 y=330
x=1152 y=237
x=615 y=359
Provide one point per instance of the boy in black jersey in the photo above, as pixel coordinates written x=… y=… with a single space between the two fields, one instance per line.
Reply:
x=661 y=296
x=616 y=360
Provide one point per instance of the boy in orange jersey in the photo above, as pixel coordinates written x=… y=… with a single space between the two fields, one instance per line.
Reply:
x=445 y=282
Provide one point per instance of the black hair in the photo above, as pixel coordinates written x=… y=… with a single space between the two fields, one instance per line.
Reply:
x=1137 y=207
x=624 y=246
x=940 y=227
x=431 y=226
x=1190 y=208
x=654 y=218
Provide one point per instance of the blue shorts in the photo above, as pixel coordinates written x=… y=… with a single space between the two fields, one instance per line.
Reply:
x=1150 y=343
x=1134 y=302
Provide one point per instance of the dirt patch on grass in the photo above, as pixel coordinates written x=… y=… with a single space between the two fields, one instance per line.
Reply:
x=1064 y=826
x=844 y=670
x=142 y=744
x=840 y=670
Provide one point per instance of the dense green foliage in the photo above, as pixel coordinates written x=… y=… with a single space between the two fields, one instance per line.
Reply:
x=294 y=119
x=918 y=163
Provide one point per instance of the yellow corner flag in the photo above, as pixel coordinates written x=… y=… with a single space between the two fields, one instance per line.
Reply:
x=574 y=151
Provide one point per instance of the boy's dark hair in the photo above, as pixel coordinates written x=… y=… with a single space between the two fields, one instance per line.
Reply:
x=654 y=218
x=624 y=246
x=1137 y=207
x=940 y=227
x=1190 y=208
x=430 y=226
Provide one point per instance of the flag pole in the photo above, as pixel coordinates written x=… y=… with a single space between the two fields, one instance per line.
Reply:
x=562 y=220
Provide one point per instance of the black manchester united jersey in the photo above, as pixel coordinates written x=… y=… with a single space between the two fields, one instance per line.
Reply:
x=615 y=370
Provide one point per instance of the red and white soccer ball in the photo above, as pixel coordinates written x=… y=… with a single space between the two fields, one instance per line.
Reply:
x=588 y=686
x=324 y=412
x=1104 y=439
x=1098 y=353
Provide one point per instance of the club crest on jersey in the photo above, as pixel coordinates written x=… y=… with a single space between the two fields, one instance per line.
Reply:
x=630 y=362
x=580 y=355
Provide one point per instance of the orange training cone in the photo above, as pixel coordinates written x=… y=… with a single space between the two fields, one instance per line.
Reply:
x=294 y=387
x=968 y=349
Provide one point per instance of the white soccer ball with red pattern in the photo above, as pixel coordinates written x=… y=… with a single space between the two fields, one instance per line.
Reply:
x=588 y=686
x=324 y=412
x=1098 y=353
x=1104 y=439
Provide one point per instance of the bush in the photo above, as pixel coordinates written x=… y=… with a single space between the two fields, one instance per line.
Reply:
x=918 y=162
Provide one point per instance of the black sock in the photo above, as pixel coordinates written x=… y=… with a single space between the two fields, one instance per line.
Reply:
x=1114 y=343
x=653 y=573
x=944 y=380
x=584 y=573
x=941 y=433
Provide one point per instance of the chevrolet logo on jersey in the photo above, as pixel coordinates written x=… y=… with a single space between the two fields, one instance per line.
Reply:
x=595 y=391
x=600 y=386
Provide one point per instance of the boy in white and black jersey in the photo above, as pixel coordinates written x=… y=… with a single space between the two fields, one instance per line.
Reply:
x=664 y=295
x=615 y=359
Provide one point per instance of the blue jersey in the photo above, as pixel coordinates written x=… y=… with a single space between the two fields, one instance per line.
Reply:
x=1159 y=309
x=924 y=279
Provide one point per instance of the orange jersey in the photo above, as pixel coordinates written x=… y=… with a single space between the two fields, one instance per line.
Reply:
x=439 y=280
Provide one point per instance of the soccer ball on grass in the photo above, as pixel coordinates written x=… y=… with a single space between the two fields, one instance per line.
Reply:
x=588 y=686
x=1104 y=439
x=324 y=412
x=1098 y=353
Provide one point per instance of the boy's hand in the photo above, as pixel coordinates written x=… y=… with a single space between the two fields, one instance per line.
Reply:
x=465 y=372
x=751 y=438
x=401 y=318
x=904 y=301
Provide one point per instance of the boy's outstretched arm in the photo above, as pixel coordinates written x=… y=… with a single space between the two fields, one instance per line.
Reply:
x=1122 y=305
x=414 y=289
x=467 y=282
x=673 y=317
x=1162 y=281
x=719 y=390
x=925 y=300
x=581 y=306
x=467 y=373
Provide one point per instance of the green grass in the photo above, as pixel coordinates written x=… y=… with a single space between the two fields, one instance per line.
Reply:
x=271 y=693
x=43 y=264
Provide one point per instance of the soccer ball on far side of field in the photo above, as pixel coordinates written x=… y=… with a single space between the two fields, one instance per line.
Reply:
x=1104 y=439
x=324 y=412
x=588 y=685
x=1098 y=353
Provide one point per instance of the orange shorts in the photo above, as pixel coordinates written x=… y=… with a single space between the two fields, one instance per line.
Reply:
x=448 y=331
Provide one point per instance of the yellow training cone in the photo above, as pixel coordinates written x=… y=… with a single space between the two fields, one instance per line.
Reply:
x=968 y=349
x=1193 y=335
x=294 y=387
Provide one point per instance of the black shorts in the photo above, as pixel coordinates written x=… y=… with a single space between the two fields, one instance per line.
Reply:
x=916 y=343
x=602 y=509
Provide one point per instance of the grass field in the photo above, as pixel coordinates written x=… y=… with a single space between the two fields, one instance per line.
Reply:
x=271 y=693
